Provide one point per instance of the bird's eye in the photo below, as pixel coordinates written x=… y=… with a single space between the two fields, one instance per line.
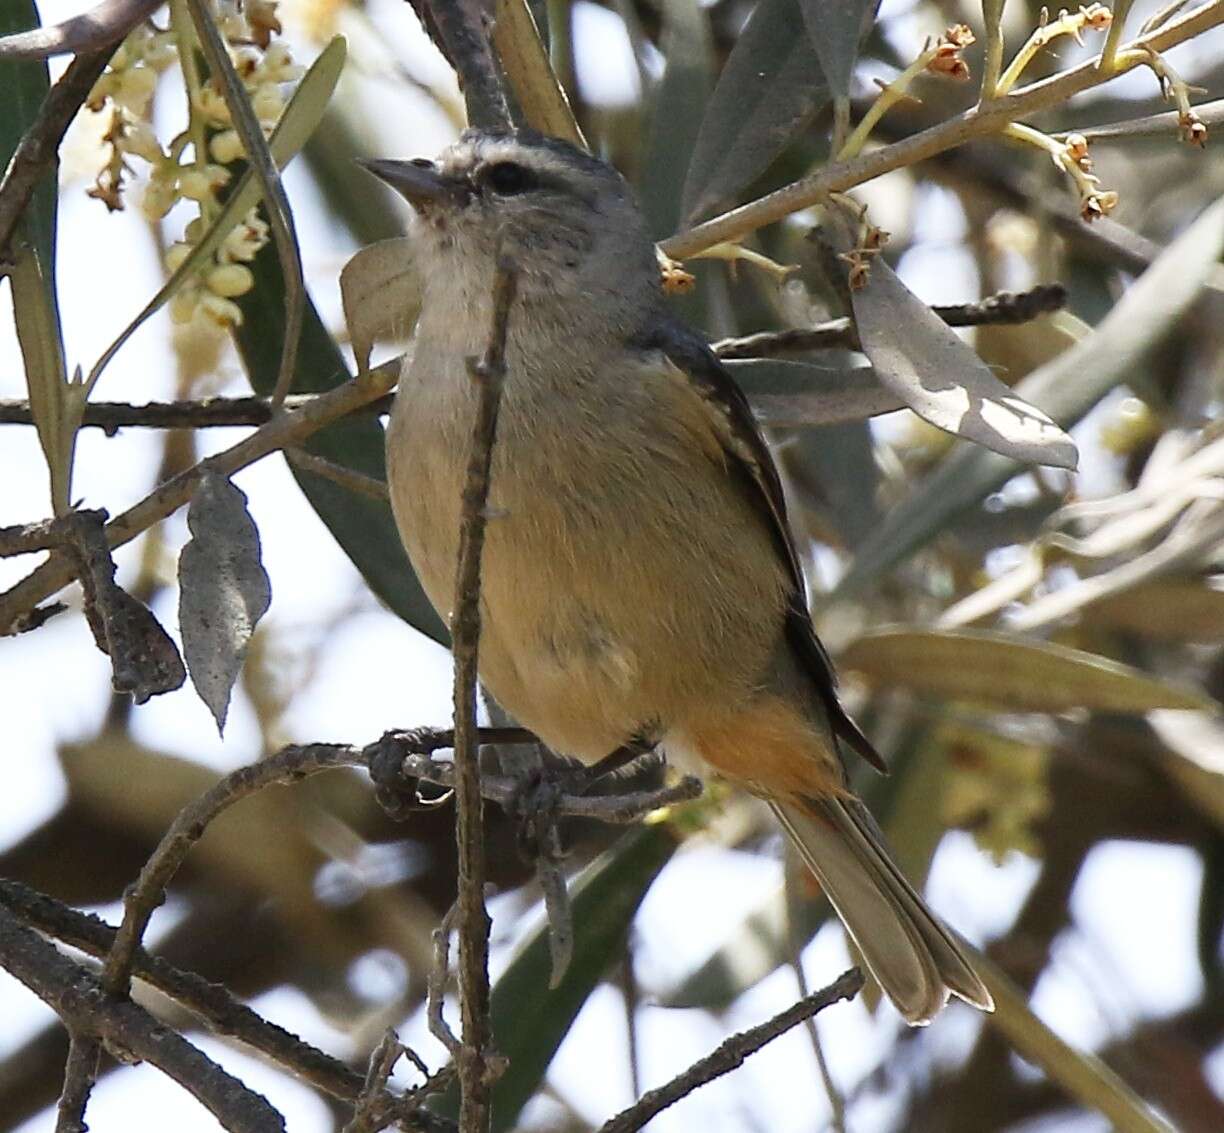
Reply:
x=507 y=178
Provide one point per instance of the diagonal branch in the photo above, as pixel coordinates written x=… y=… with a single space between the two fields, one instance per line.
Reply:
x=979 y=121
x=35 y=154
x=285 y=429
x=731 y=1054
x=80 y=1001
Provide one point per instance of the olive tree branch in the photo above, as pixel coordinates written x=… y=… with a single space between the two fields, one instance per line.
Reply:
x=92 y=1017
x=985 y=119
x=284 y=430
x=401 y=756
x=731 y=1054
x=36 y=152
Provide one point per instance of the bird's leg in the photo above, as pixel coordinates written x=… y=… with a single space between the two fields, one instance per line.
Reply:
x=535 y=803
x=628 y=753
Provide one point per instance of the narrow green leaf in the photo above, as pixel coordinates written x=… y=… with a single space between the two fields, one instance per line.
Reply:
x=25 y=84
x=55 y=403
x=1066 y=388
x=835 y=29
x=785 y=393
x=529 y=1022
x=521 y=51
x=678 y=107
x=1010 y=673
x=1083 y=1075
x=770 y=87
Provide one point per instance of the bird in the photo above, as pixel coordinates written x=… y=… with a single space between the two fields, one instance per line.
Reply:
x=640 y=584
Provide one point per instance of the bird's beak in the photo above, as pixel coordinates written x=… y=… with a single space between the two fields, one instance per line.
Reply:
x=419 y=180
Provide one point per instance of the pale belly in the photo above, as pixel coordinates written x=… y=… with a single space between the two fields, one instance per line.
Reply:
x=624 y=591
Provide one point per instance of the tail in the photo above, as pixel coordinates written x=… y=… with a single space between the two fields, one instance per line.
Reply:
x=912 y=955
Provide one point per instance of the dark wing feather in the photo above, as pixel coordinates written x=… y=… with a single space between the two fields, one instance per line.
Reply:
x=747 y=451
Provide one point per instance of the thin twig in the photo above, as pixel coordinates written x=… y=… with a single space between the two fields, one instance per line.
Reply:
x=286 y=429
x=731 y=1054
x=1004 y=307
x=977 y=122
x=1209 y=113
x=382 y=1063
x=81 y=1002
x=35 y=156
x=357 y=482
x=992 y=55
x=80 y=1073
x=472 y=921
x=435 y=986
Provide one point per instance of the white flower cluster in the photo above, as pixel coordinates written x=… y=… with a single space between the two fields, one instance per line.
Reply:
x=127 y=87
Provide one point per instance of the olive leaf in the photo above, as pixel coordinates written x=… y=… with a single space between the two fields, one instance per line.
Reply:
x=770 y=86
x=1069 y=384
x=380 y=288
x=923 y=361
x=793 y=394
x=835 y=29
x=525 y=60
x=676 y=114
x=1010 y=673
x=223 y=590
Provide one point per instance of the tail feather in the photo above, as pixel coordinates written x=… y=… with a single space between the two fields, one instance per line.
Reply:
x=913 y=956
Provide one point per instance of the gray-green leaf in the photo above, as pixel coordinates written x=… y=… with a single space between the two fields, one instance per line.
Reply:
x=770 y=86
x=923 y=361
x=1068 y=386
x=1010 y=673
x=836 y=28
x=223 y=590
x=794 y=394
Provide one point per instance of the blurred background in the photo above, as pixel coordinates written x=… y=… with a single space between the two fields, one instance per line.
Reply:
x=1083 y=848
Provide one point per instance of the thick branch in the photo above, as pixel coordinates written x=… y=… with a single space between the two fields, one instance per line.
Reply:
x=732 y=1054
x=86 y=1009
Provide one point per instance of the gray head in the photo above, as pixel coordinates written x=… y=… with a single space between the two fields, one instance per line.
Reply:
x=568 y=221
